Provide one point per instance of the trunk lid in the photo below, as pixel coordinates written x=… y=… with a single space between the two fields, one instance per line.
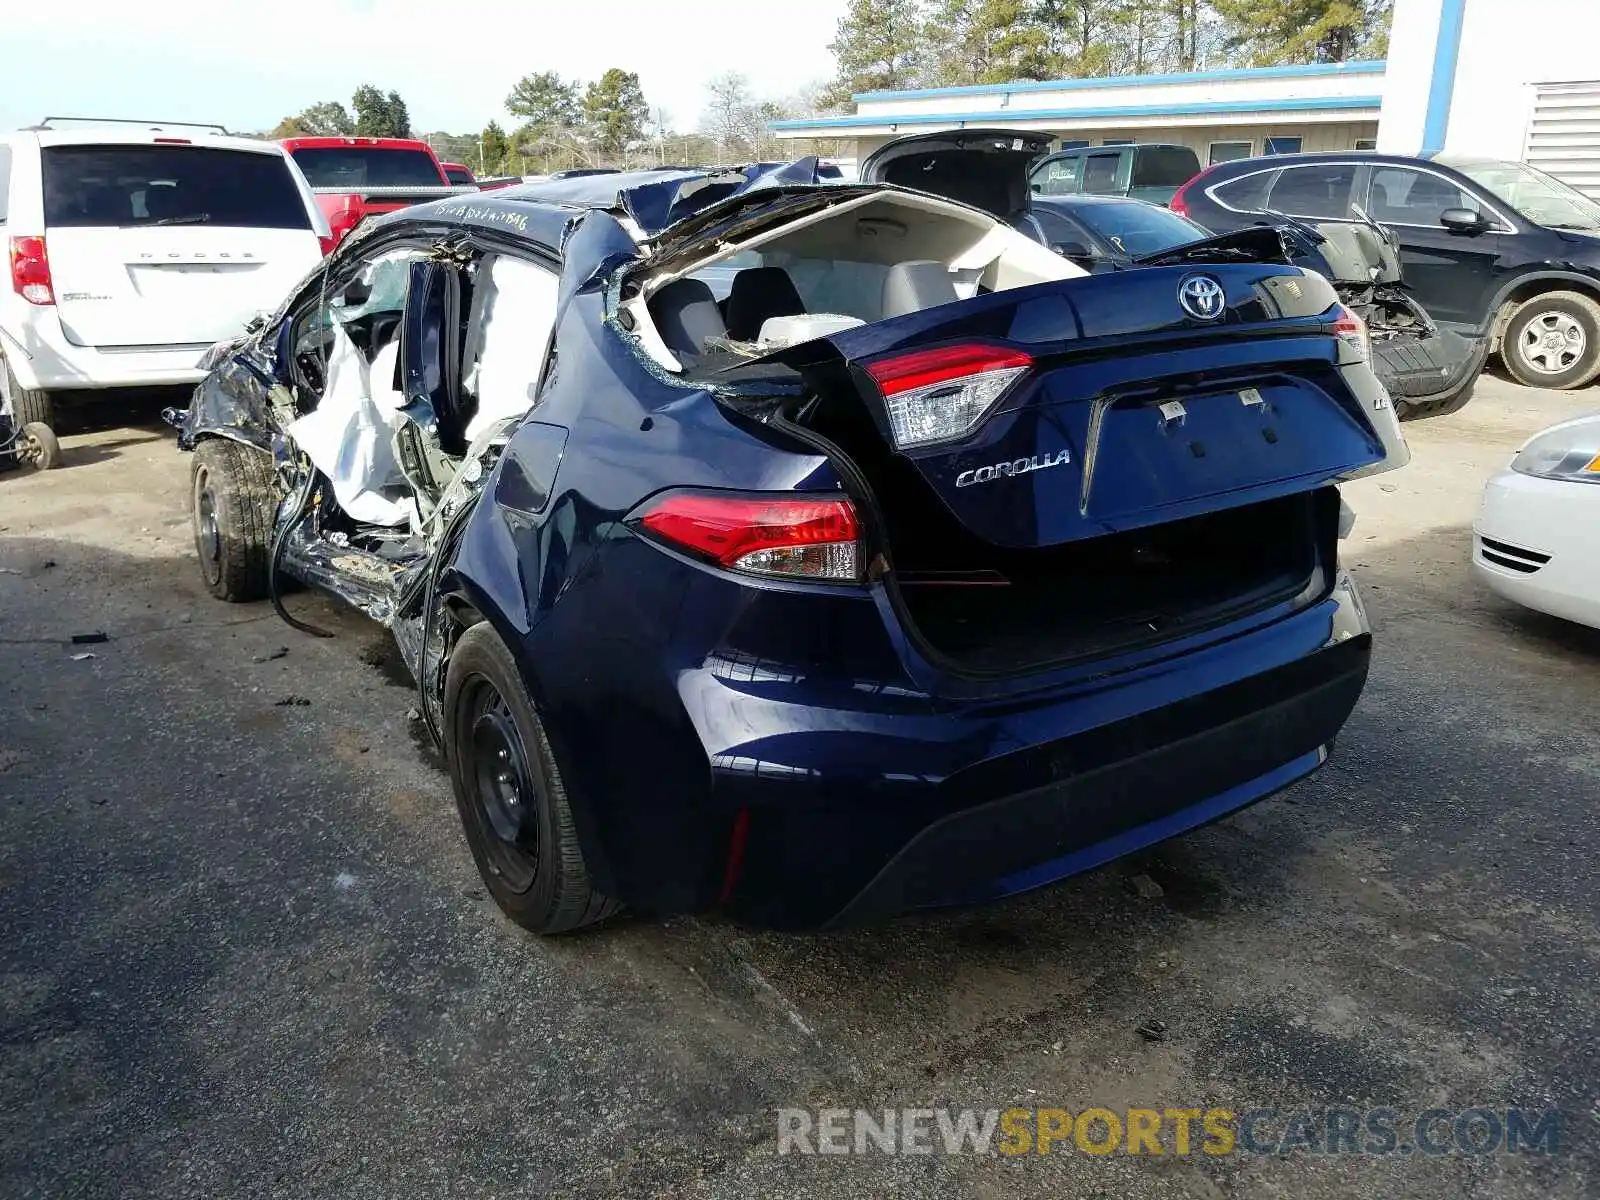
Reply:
x=986 y=168
x=1122 y=410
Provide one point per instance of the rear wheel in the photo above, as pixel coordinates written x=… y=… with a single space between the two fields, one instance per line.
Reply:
x=29 y=406
x=1553 y=341
x=509 y=792
x=233 y=500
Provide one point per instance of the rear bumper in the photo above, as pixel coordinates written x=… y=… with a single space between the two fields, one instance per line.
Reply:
x=1536 y=542
x=1187 y=765
x=845 y=817
x=41 y=357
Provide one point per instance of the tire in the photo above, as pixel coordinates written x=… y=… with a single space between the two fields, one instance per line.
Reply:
x=1563 y=329
x=29 y=406
x=233 y=497
x=517 y=819
x=44 y=450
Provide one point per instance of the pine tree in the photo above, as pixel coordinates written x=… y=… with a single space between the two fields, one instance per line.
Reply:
x=398 y=116
x=987 y=41
x=494 y=148
x=544 y=100
x=614 y=111
x=878 y=46
x=380 y=115
x=1269 y=32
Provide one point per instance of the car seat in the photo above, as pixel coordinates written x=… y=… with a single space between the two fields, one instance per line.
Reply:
x=913 y=286
x=1382 y=202
x=757 y=294
x=685 y=313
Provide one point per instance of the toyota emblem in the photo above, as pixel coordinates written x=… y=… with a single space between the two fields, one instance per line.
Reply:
x=1202 y=297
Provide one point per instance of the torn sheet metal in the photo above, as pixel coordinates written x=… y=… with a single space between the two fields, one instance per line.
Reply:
x=656 y=200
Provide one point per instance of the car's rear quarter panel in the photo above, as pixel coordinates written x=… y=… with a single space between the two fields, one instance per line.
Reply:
x=591 y=611
x=676 y=695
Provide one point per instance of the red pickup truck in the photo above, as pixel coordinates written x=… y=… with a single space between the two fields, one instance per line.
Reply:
x=357 y=177
x=460 y=173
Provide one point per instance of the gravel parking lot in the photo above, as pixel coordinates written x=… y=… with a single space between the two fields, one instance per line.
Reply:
x=246 y=951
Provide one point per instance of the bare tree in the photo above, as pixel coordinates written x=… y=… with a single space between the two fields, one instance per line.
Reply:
x=729 y=115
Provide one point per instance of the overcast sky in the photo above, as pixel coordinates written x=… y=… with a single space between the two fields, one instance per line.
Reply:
x=247 y=64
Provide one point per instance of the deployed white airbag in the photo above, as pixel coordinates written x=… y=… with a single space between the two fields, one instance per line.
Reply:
x=514 y=310
x=349 y=436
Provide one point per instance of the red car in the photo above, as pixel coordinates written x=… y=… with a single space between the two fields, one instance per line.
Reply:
x=356 y=177
x=461 y=175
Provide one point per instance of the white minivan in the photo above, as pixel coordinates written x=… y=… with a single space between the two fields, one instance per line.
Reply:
x=133 y=249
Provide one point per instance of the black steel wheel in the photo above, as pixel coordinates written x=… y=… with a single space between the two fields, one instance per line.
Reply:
x=506 y=796
x=509 y=793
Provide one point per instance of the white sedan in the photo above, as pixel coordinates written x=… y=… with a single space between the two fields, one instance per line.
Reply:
x=1537 y=537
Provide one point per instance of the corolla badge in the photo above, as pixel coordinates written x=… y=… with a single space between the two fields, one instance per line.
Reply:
x=1019 y=466
x=1202 y=297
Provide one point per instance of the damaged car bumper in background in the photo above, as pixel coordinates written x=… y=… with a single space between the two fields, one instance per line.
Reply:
x=1427 y=371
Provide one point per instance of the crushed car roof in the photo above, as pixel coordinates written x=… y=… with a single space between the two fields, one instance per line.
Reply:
x=653 y=200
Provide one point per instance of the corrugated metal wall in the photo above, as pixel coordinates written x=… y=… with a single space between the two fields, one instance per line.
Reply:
x=1564 y=134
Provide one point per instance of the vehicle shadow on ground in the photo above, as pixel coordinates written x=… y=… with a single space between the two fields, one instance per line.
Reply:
x=246 y=935
x=118 y=408
x=76 y=452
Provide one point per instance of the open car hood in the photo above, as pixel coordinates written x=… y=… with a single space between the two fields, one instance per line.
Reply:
x=986 y=168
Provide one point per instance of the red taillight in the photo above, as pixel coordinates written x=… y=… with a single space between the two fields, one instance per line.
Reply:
x=924 y=368
x=765 y=535
x=1352 y=333
x=345 y=218
x=1180 y=199
x=327 y=244
x=172 y=141
x=30 y=270
x=941 y=394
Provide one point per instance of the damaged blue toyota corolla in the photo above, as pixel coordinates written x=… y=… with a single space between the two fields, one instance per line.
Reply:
x=811 y=550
